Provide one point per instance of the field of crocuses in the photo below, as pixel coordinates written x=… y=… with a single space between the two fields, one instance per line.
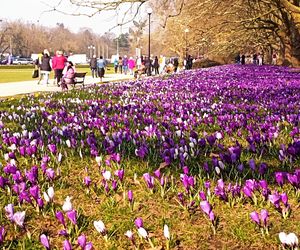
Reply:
x=204 y=159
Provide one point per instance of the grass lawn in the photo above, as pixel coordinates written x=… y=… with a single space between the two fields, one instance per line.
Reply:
x=18 y=74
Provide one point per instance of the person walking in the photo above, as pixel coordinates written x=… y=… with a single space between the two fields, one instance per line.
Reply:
x=162 y=64
x=101 y=64
x=58 y=65
x=131 y=65
x=260 y=59
x=176 y=64
x=93 y=66
x=116 y=65
x=243 y=60
x=45 y=67
x=120 y=62
x=156 y=66
x=189 y=62
x=125 y=65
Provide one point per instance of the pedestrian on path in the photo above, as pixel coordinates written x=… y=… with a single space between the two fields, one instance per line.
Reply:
x=58 y=65
x=131 y=65
x=120 y=62
x=156 y=66
x=101 y=64
x=93 y=66
x=125 y=65
x=45 y=67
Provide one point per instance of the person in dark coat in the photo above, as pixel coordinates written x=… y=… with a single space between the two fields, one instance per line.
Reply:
x=93 y=66
x=189 y=62
x=45 y=66
x=176 y=63
x=156 y=65
x=243 y=60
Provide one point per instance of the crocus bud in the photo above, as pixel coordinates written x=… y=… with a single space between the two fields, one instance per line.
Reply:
x=82 y=241
x=130 y=196
x=67 y=245
x=44 y=241
x=100 y=227
x=255 y=217
x=60 y=216
x=138 y=222
x=142 y=232
x=166 y=232
x=72 y=215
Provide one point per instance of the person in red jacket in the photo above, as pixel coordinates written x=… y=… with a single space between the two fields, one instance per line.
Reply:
x=58 y=65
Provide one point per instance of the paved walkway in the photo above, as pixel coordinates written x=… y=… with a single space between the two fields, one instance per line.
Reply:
x=27 y=87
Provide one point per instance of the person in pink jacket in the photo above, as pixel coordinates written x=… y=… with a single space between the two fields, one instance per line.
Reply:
x=58 y=65
x=131 y=65
x=69 y=75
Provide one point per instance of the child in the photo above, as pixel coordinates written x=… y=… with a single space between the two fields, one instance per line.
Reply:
x=68 y=76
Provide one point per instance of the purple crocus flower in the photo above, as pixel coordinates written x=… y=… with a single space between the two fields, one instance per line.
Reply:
x=149 y=180
x=60 y=216
x=9 y=210
x=275 y=199
x=82 y=241
x=87 y=181
x=186 y=170
x=139 y=222
x=63 y=233
x=255 y=217
x=284 y=199
x=2 y=233
x=279 y=177
x=252 y=164
x=67 y=245
x=40 y=202
x=114 y=185
x=262 y=168
x=35 y=192
x=205 y=206
x=72 y=215
x=52 y=148
x=247 y=191
x=120 y=174
x=202 y=196
x=50 y=173
x=157 y=173
x=44 y=241
x=130 y=196
x=3 y=182
x=19 y=218
x=264 y=215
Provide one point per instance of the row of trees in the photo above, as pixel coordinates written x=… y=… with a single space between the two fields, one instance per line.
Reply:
x=23 y=39
x=222 y=29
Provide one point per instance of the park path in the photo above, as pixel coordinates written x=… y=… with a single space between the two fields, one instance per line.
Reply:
x=27 y=87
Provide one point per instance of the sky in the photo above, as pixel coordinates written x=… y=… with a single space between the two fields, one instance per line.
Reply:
x=37 y=11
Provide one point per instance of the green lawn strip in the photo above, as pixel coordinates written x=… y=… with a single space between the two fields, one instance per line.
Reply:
x=19 y=74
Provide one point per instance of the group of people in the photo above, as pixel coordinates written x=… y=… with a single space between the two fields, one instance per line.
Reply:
x=64 y=70
x=255 y=58
x=150 y=66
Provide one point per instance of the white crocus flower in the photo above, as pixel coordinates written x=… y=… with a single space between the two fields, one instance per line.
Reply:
x=282 y=237
x=51 y=193
x=107 y=175
x=166 y=232
x=142 y=232
x=129 y=234
x=100 y=227
x=67 y=206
